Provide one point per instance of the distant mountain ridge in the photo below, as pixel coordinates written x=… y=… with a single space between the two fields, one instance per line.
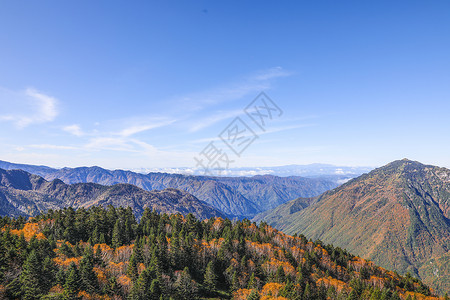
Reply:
x=236 y=196
x=310 y=170
x=397 y=216
x=22 y=193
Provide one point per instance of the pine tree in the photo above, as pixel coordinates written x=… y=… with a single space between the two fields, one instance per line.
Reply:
x=395 y=296
x=186 y=287
x=254 y=295
x=30 y=278
x=353 y=295
x=72 y=285
x=307 y=295
x=252 y=284
x=87 y=275
x=280 y=276
x=60 y=277
x=132 y=270
x=210 y=278
x=116 y=235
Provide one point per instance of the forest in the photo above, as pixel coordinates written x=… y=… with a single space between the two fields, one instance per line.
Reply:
x=106 y=253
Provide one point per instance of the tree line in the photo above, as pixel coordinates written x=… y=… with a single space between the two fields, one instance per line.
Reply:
x=106 y=253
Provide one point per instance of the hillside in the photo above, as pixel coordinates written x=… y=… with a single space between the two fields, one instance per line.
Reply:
x=25 y=194
x=396 y=215
x=236 y=196
x=106 y=254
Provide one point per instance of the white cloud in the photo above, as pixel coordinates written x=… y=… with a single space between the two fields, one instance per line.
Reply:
x=252 y=84
x=109 y=143
x=134 y=129
x=271 y=73
x=74 y=129
x=52 y=147
x=27 y=107
x=211 y=120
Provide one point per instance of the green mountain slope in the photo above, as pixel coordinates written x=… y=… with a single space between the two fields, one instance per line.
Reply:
x=396 y=215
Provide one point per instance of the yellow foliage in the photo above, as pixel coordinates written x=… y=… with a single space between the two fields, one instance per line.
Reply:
x=271 y=289
x=86 y=296
x=100 y=275
x=66 y=262
x=272 y=266
x=29 y=230
x=241 y=294
x=330 y=281
x=124 y=281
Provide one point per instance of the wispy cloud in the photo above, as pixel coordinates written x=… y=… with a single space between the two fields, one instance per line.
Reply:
x=284 y=128
x=109 y=143
x=52 y=147
x=256 y=82
x=27 y=107
x=74 y=129
x=134 y=129
x=213 y=119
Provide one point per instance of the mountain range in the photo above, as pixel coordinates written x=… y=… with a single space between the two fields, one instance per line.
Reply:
x=396 y=215
x=310 y=170
x=235 y=196
x=25 y=194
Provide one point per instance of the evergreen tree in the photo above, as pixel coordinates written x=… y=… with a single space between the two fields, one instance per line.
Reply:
x=116 y=235
x=353 y=295
x=210 y=278
x=186 y=287
x=72 y=284
x=252 y=284
x=87 y=275
x=280 y=276
x=31 y=278
x=60 y=277
x=395 y=296
x=254 y=295
x=307 y=294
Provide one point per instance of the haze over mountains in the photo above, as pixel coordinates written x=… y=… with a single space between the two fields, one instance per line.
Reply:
x=397 y=216
x=236 y=196
x=310 y=170
x=22 y=193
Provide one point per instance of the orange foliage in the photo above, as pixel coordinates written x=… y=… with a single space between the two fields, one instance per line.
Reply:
x=420 y=296
x=241 y=294
x=123 y=253
x=337 y=284
x=100 y=275
x=270 y=267
x=66 y=262
x=57 y=289
x=29 y=230
x=116 y=269
x=107 y=252
x=218 y=224
x=125 y=282
x=270 y=290
x=86 y=296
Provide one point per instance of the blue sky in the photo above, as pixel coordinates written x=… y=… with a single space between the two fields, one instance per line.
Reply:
x=147 y=84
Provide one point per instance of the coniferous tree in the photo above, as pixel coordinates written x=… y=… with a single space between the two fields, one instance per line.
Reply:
x=252 y=282
x=72 y=284
x=210 y=278
x=31 y=278
x=254 y=295
x=87 y=275
x=186 y=287
x=116 y=239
